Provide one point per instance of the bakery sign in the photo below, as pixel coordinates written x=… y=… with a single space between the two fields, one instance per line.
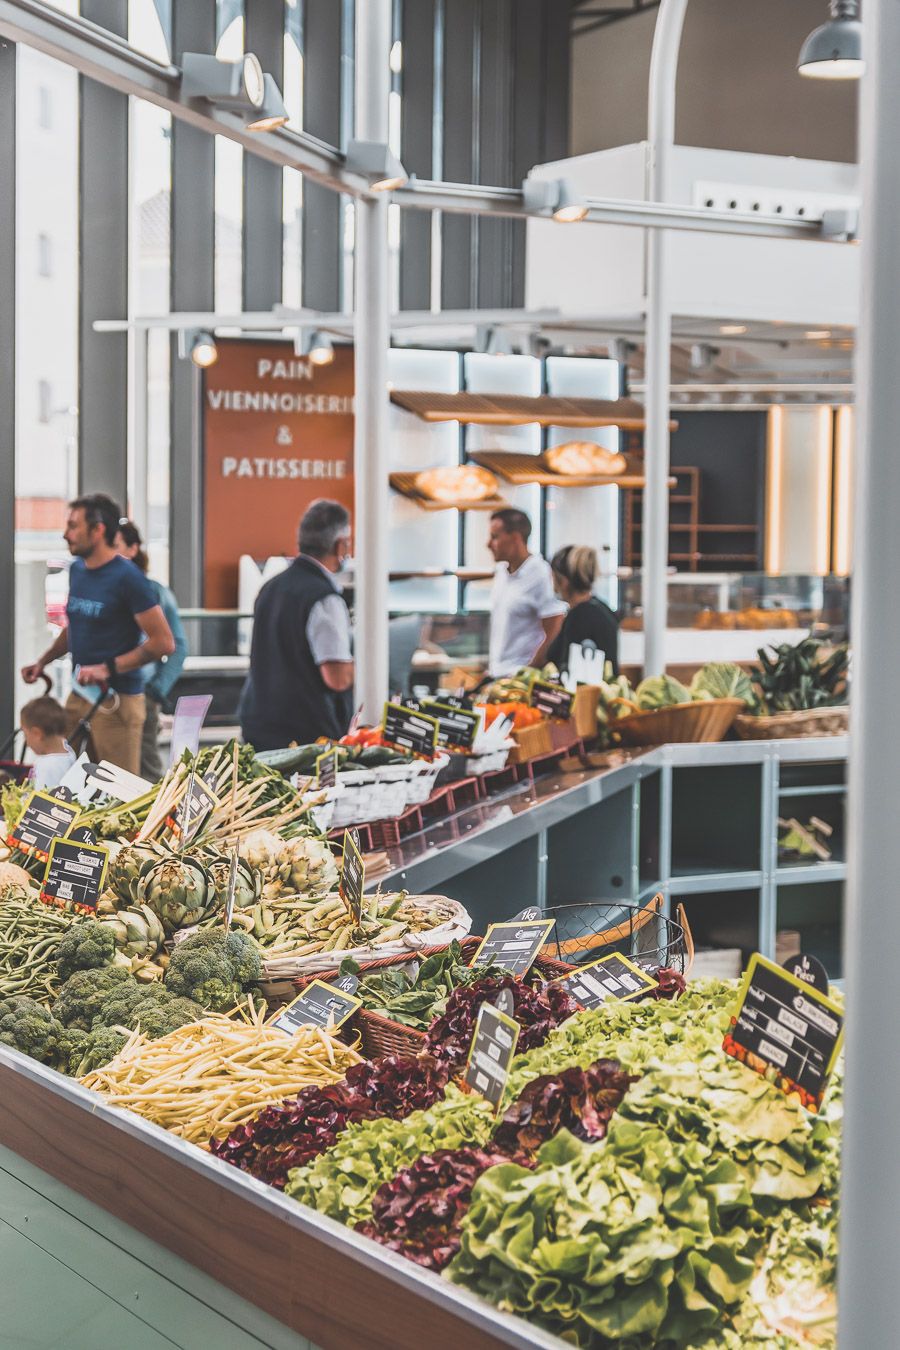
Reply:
x=277 y=434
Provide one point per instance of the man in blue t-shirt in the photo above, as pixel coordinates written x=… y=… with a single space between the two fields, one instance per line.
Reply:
x=115 y=626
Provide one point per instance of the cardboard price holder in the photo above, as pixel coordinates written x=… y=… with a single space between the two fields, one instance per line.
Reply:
x=552 y=700
x=327 y=768
x=457 y=727
x=75 y=874
x=409 y=730
x=44 y=819
x=491 y=1053
x=514 y=946
x=613 y=976
x=784 y=1023
x=353 y=875
x=320 y=1005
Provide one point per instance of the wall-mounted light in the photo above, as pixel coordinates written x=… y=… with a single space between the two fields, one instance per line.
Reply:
x=228 y=84
x=556 y=195
x=377 y=162
x=315 y=345
x=198 y=345
x=834 y=50
x=271 y=113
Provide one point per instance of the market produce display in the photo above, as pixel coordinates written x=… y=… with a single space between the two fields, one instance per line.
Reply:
x=537 y=1012
x=29 y=935
x=415 y=997
x=717 y=679
x=210 y=1076
x=802 y=676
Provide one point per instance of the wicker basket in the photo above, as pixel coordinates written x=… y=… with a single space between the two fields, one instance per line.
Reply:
x=787 y=726
x=382 y=1036
x=706 y=719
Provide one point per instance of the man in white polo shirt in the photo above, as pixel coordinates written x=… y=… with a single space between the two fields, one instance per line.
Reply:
x=525 y=613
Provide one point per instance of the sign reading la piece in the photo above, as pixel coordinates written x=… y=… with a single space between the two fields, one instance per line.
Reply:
x=278 y=433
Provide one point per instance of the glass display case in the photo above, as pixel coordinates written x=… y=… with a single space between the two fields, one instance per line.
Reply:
x=745 y=601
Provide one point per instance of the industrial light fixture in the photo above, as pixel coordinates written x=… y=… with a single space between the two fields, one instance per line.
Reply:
x=732 y=329
x=377 y=162
x=834 y=51
x=228 y=84
x=315 y=345
x=556 y=195
x=493 y=342
x=817 y=334
x=199 y=346
x=271 y=113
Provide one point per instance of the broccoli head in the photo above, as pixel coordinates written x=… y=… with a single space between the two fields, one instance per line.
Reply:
x=73 y=1046
x=85 y=946
x=80 y=998
x=102 y=1045
x=29 y=1027
x=214 y=968
x=152 y=1007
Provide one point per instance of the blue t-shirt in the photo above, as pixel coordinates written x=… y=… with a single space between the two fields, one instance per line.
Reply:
x=101 y=608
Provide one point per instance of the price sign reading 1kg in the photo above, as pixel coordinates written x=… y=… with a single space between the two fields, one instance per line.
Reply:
x=320 y=1005
x=612 y=976
x=75 y=874
x=491 y=1053
x=353 y=875
x=513 y=945
x=44 y=819
x=785 y=1025
x=196 y=804
x=408 y=730
x=457 y=727
x=552 y=700
x=327 y=767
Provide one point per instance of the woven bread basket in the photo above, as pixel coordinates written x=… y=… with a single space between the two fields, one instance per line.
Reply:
x=703 y=720
x=788 y=725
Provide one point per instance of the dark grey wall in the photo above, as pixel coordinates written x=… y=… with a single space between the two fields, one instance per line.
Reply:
x=729 y=448
x=738 y=87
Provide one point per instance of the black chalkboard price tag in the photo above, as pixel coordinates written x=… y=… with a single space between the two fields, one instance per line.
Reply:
x=457 y=727
x=408 y=730
x=787 y=1030
x=320 y=1005
x=353 y=875
x=75 y=875
x=613 y=976
x=327 y=767
x=193 y=810
x=808 y=969
x=44 y=819
x=552 y=700
x=459 y=701
x=513 y=946
x=491 y=1053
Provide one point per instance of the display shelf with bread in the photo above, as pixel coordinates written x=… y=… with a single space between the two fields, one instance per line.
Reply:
x=463 y=487
x=520 y=468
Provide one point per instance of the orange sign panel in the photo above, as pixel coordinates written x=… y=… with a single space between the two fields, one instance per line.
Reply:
x=278 y=433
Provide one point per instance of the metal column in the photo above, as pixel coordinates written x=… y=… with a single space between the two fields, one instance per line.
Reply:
x=417 y=147
x=264 y=20
x=192 y=288
x=661 y=133
x=869 y=1271
x=373 y=45
x=8 y=383
x=322 y=74
x=103 y=273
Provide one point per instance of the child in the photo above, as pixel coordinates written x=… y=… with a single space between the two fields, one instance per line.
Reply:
x=44 y=724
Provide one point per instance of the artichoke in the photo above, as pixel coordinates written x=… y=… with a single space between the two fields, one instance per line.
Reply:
x=247 y=889
x=178 y=889
x=290 y=867
x=127 y=868
x=138 y=932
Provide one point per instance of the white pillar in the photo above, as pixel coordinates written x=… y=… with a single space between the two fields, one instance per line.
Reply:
x=657 y=377
x=373 y=47
x=870 y=1187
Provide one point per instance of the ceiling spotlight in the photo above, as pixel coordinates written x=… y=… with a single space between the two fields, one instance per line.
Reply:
x=198 y=345
x=228 y=84
x=271 y=113
x=556 y=195
x=377 y=162
x=315 y=345
x=732 y=329
x=834 y=51
x=817 y=334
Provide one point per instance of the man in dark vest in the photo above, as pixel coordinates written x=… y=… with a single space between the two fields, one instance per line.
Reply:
x=300 y=684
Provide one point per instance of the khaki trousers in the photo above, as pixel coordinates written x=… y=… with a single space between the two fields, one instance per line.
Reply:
x=115 y=727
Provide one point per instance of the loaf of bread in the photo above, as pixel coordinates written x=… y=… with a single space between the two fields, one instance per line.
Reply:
x=460 y=483
x=583 y=457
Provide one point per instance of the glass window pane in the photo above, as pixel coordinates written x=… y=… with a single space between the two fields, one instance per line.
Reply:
x=150 y=28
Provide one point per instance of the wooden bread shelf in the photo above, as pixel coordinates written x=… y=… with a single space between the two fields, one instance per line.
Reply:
x=519 y=469
x=405 y=483
x=511 y=410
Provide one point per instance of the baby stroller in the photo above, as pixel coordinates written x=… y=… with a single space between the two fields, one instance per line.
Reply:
x=16 y=771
